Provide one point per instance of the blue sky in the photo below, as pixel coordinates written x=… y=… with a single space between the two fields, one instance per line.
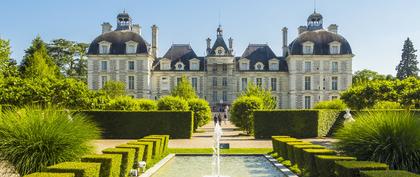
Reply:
x=375 y=29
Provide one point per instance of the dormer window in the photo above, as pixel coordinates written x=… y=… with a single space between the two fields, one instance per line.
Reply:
x=259 y=66
x=308 y=48
x=244 y=64
x=194 y=64
x=165 y=64
x=104 y=47
x=335 y=48
x=131 y=47
x=220 y=51
x=179 y=66
x=273 y=65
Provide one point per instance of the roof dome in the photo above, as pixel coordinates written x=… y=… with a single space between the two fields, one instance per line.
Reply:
x=118 y=40
x=321 y=39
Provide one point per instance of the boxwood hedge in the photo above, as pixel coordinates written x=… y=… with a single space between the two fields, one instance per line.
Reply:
x=46 y=174
x=166 y=140
x=309 y=167
x=325 y=164
x=353 y=168
x=110 y=163
x=139 y=151
x=387 y=173
x=148 y=149
x=79 y=169
x=290 y=150
x=156 y=146
x=127 y=161
x=298 y=149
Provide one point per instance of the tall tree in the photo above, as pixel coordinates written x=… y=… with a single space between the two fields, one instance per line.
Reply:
x=265 y=95
x=184 y=89
x=4 y=55
x=408 y=64
x=114 y=89
x=37 y=62
x=365 y=75
x=69 y=56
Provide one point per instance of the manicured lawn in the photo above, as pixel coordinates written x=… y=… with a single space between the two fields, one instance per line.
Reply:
x=222 y=151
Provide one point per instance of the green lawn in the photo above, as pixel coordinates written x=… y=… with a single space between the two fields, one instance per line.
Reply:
x=222 y=151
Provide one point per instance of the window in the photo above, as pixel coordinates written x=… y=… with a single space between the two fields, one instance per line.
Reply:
x=179 y=66
x=273 y=84
x=224 y=95
x=214 y=96
x=131 y=49
x=244 y=66
x=165 y=66
x=131 y=82
x=224 y=67
x=334 y=50
x=308 y=66
x=334 y=66
x=194 y=83
x=258 y=82
x=214 y=68
x=334 y=83
x=307 y=102
x=194 y=65
x=225 y=82
x=244 y=83
x=307 y=49
x=164 y=84
x=307 y=82
x=104 y=79
x=274 y=66
x=104 y=65
x=104 y=49
x=259 y=66
x=214 y=81
x=220 y=51
x=334 y=97
x=131 y=65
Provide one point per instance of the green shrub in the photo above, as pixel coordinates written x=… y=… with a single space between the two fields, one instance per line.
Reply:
x=173 y=104
x=137 y=124
x=202 y=112
x=387 y=105
x=32 y=138
x=353 y=168
x=139 y=151
x=146 y=105
x=325 y=164
x=80 y=169
x=184 y=89
x=166 y=140
x=156 y=146
x=110 y=163
x=298 y=150
x=241 y=112
x=122 y=103
x=162 y=140
x=309 y=167
x=332 y=104
x=275 y=142
x=114 y=89
x=387 y=173
x=255 y=91
x=290 y=150
x=294 y=123
x=127 y=161
x=148 y=149
x=282 y=149
x=46 y=174
x=382 y=136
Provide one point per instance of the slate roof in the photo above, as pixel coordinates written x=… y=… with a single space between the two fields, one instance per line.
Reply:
x=262 y=53
x=180 y=53
x=220 y=42
x=118 y=40
x=321 y=39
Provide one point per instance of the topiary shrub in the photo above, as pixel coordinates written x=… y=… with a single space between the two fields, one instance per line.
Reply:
x=146 y=105
x=290 y=150
x=298 y=150
x=325 y=164
x=165 y=139
x=387 y=173
x=127 y=160
x=139 y=151
x=309 y=167
x=202 y=111
x=32 y=138
x=122 y=103
x=80 y=169
x=387 y=105
x=110 y=163
x=382 y=136
x=173 y=104
x=332 y=104
x=241 y=112
x=46 y=174
x=353 y=168
x=156 y=146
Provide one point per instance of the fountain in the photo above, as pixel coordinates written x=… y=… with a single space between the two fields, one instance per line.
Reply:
x=216 y=151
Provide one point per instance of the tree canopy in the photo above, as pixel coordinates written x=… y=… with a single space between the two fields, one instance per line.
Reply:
x=408 y=64
x=264 y=94
x=114 y=89
x=184 y=89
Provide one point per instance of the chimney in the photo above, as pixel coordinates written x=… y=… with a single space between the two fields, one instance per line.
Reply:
x=106 y=27
x=333 y=28
x=208 y=45
x=136 y=28
x=302 y=29
x=230 y=44
x=284 y=41
x=154 y=40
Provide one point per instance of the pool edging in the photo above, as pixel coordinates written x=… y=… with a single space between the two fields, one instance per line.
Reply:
x=157 y=166
x=280 y=166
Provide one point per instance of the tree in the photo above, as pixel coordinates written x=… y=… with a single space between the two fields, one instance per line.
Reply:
x=37 y=62
x=365 y=75
x=408 y=64
x=241 y=112
x=265 y=95
x=4 y=56
x=184 y=90
x=69 y=56
x=114 y=89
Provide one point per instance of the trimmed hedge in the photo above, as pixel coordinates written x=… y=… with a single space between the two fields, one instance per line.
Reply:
x=282 y=149
x=309 y=160
x=139 y=151
x=156 y=146
x=275 y=142
x=137 y=124
x=387 y=173
x=110 y=163
x=148 y=149
x=127 y=161
x=353 y=168
x=161 y=142
x=295 y=123
x=325 y=164
x=46 y=174
x=80 y=169
x=290 y=150
x=298 y=149
x=166 y=141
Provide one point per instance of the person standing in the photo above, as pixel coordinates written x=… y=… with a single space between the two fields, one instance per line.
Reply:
x=215 y=119
x=219 y=119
